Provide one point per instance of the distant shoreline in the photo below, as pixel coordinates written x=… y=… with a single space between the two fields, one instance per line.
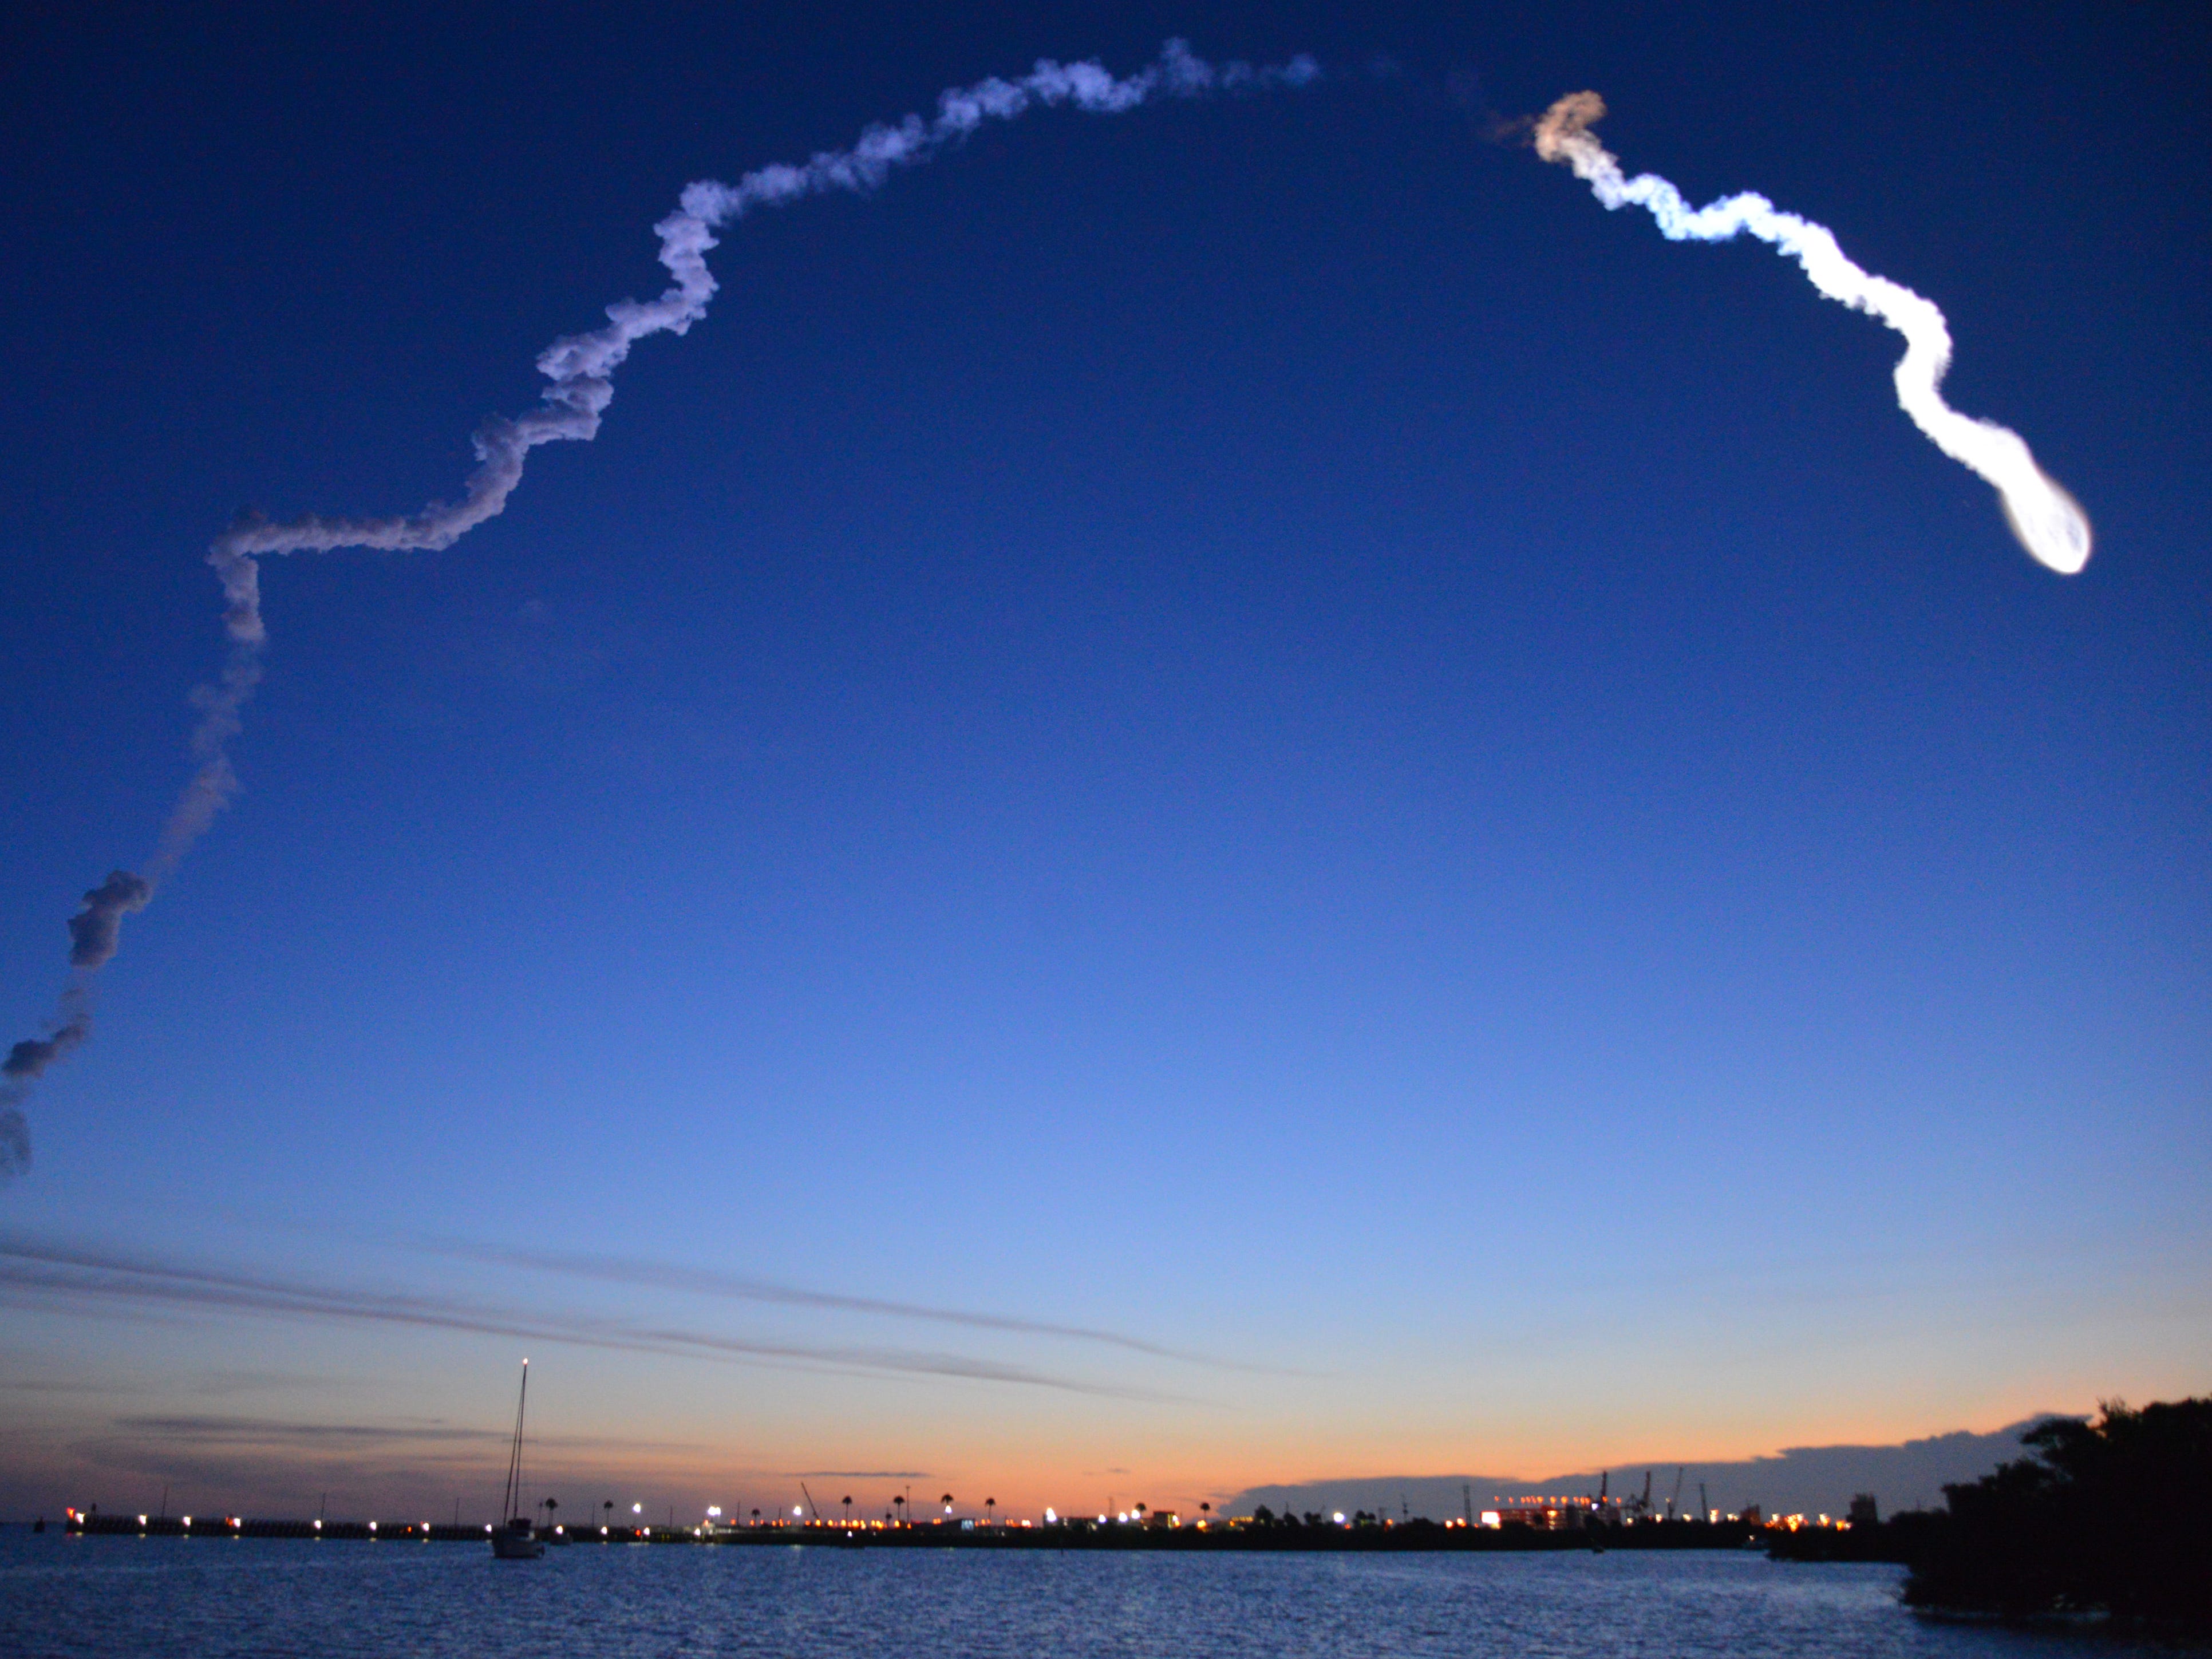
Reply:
x=1220 y=1537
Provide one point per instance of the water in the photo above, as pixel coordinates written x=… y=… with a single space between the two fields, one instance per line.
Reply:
x=121 y=1597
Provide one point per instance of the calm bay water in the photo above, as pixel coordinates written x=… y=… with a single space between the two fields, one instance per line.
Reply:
x=111 y=1596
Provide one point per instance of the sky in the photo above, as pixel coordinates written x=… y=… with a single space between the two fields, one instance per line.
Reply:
x=1231 y=794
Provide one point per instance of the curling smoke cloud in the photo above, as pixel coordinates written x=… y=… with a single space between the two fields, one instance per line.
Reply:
x=2049 y=522
x=580 y=369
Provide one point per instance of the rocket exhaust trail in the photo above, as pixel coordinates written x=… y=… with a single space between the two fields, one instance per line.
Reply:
x=581 y=368
x=2049 y=522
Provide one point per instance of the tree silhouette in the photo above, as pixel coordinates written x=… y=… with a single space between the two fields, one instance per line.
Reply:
x=990 y=1510
x=2104 y=1515
x=848 y=1509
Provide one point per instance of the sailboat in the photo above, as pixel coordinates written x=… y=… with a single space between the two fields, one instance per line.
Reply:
x=515 y=1538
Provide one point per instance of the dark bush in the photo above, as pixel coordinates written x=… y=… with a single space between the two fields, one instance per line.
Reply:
x=2107 y=1515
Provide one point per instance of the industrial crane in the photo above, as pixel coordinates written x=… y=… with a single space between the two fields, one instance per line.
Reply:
x=1641 y=1507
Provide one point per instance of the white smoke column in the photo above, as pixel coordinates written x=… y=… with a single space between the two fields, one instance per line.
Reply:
x=2049 y=522
x=581 y=368
x=580 y=365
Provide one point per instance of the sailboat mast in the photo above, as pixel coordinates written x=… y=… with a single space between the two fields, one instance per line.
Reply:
x=513 y=1494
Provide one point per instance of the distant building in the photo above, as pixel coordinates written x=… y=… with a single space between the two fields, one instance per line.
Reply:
x=1552 y=1513
x=1864 y=1511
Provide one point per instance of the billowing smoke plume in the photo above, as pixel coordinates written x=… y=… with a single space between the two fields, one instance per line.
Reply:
x=70 y=1025
x=95 y=930
x=2049 y=522
x=581 y=368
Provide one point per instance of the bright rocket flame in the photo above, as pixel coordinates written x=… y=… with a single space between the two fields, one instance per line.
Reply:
x=2050 y=523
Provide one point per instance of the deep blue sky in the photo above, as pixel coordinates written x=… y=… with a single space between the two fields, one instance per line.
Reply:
x=1252 y=724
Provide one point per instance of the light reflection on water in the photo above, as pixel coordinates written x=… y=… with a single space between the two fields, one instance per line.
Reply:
x=110 y=1596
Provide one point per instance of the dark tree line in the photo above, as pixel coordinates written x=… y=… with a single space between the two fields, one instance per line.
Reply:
x=2110 y=1515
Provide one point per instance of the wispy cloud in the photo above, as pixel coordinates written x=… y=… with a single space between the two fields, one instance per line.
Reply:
x=272 y=1431
x=265 y=1431
x=40 y=1273
x=700 y=1281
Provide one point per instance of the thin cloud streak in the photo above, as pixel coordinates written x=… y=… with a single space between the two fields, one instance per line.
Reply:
x=269 y=1431
x=38 y=1274
x=261 y=1431
x=700 y=1281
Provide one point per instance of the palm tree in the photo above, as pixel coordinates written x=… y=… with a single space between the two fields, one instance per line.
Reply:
x=947 y=1501
x=990 y=1510
x=848 y=1509
x=756 y=1517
